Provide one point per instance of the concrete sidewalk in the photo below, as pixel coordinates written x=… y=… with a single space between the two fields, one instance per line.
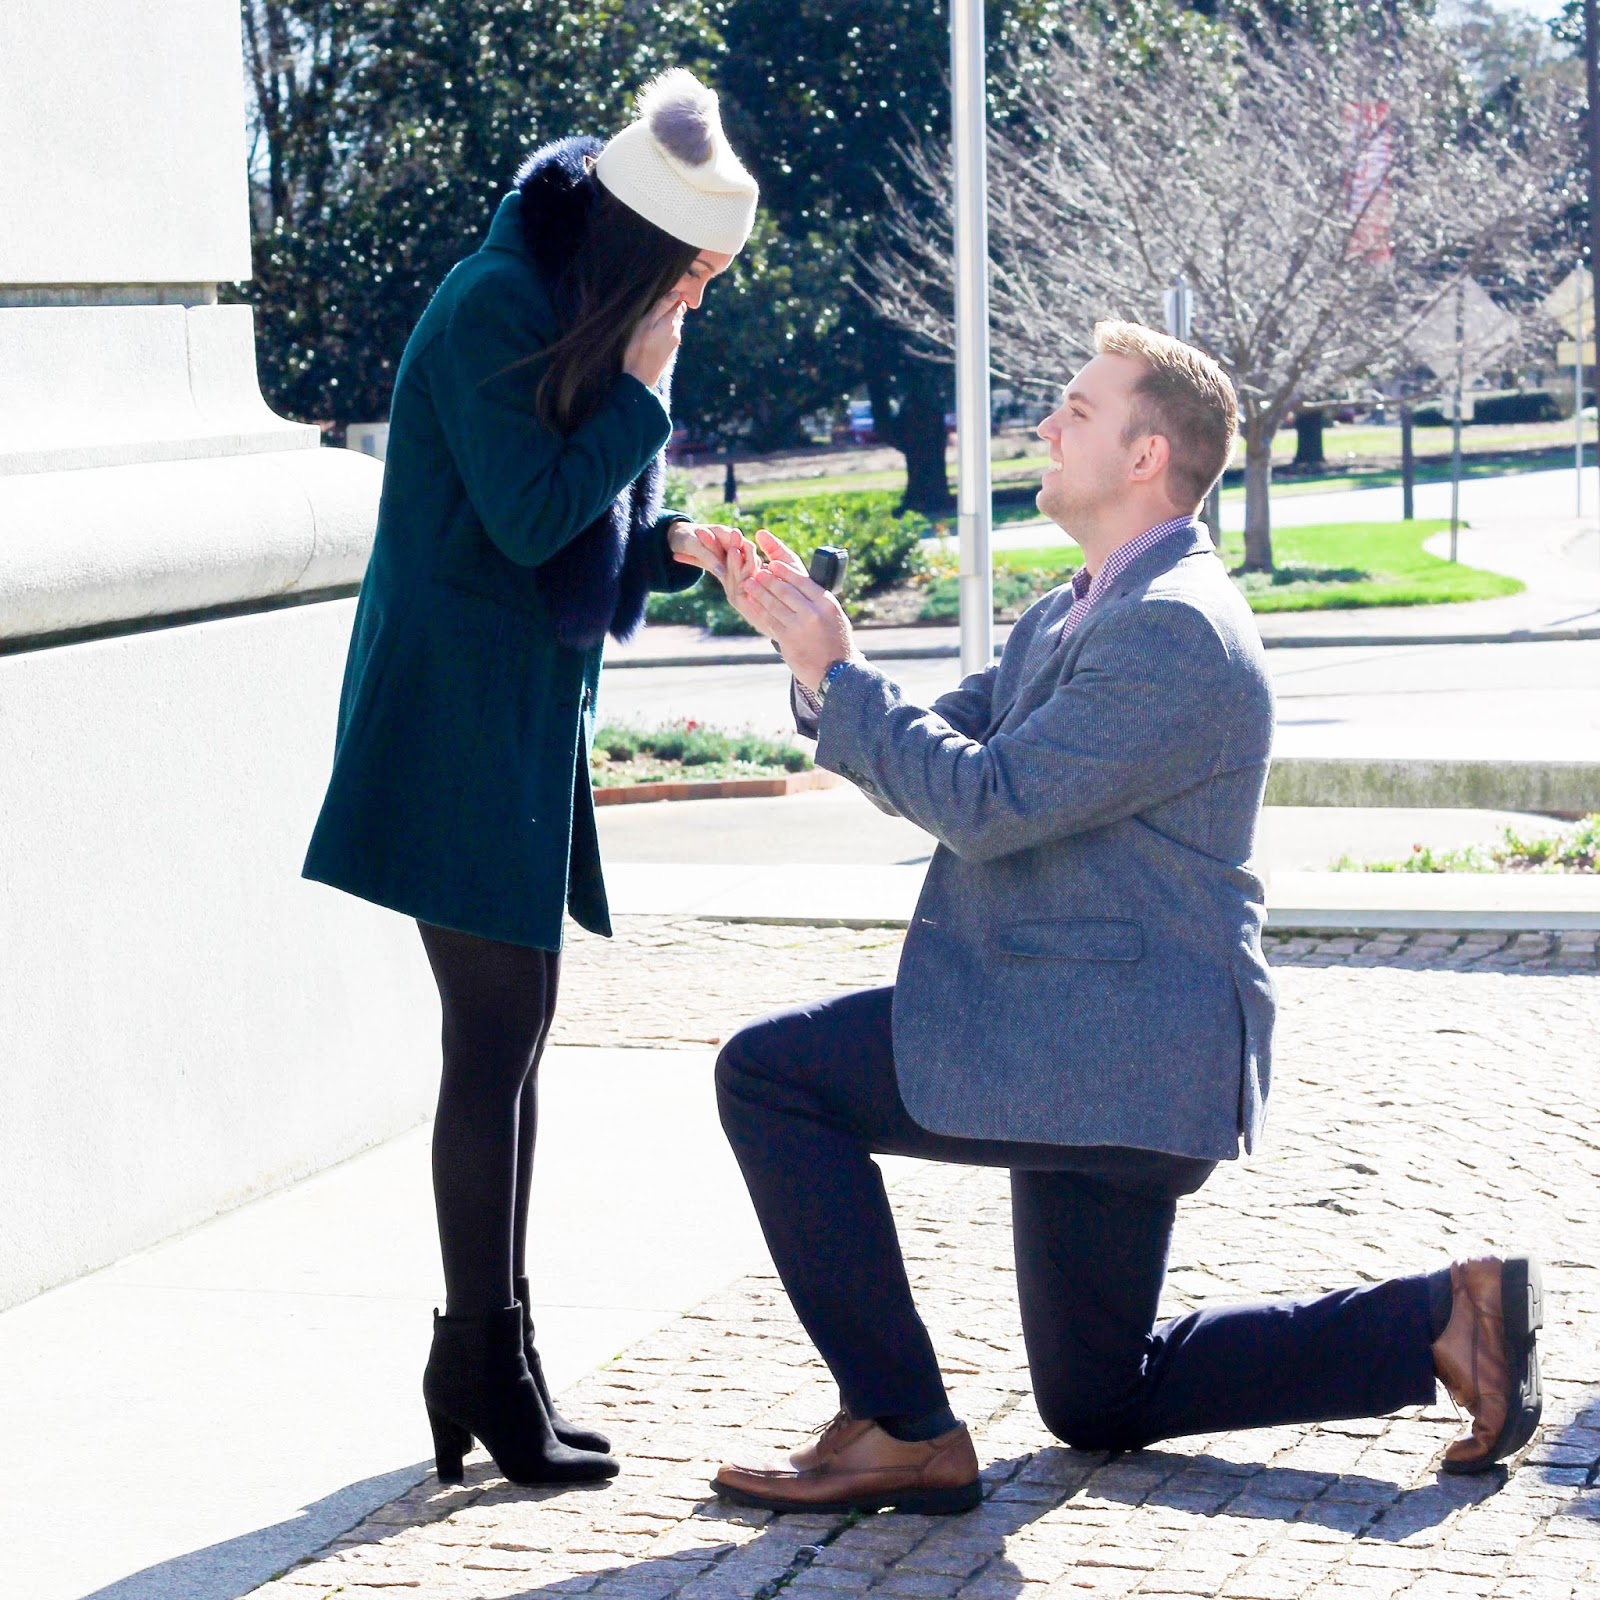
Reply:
x=184 y=1424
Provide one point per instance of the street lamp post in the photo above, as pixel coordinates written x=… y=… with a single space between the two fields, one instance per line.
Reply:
x=1455 y=411
x=975 y=585
x=1591 y=67
x=1178 y=304
x=1577 y=391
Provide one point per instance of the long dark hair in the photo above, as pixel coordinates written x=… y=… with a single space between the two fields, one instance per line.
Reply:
x=622 y=266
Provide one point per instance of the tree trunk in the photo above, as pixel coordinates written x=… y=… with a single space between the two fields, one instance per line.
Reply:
x=1257 y=490
x=922 y=438
x=1308 y=430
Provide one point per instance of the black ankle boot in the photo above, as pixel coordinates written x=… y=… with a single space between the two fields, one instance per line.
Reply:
x=477 y=1384
x=566 y=1432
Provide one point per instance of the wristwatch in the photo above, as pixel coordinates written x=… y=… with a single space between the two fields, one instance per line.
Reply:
x=827 y=680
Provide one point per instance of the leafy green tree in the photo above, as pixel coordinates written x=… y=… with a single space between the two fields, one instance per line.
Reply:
x=768 y=347
x=385 y=132
x=825 y=93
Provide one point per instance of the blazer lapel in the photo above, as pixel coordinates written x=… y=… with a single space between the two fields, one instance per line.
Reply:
x=1166 y=555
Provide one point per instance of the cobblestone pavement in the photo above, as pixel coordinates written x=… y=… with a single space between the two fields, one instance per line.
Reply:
x=1418 y=1114
x=677 y=980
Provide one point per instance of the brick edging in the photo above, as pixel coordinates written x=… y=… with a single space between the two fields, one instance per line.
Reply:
x=626 y=794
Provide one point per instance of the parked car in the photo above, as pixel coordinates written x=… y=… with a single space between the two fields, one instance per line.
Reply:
x=860 y=423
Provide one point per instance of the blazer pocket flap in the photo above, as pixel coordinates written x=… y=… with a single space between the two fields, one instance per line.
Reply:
x=1075 y=939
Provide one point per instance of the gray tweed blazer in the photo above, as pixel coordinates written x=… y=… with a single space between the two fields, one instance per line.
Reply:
x=1084 y=966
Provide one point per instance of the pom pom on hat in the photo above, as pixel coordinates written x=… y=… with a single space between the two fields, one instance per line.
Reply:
x=675 y=167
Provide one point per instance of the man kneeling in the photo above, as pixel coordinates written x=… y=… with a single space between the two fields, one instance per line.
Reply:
x=1082 y=999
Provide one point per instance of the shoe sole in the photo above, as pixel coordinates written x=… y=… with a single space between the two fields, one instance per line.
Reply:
x=1522 y=1308
x=914 y=1502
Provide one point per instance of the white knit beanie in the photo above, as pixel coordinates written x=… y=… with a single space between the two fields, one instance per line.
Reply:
x=675 y=167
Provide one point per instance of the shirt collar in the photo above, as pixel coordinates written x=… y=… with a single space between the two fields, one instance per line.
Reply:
x=1125 y=555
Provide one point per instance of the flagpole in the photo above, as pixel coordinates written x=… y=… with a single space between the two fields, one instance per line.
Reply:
x=975 y=586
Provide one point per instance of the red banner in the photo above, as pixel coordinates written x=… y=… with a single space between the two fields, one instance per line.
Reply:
x=1369 y=200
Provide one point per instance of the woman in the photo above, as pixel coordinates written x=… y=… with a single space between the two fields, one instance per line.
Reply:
x=520 y=522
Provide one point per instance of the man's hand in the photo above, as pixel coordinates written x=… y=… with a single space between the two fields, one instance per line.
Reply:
x=803 y=619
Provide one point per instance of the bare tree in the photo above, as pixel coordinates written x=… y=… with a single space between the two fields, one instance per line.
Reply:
x=298 y=56
x=1320 y=189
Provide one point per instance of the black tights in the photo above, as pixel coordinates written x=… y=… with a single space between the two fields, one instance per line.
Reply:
x=497 y=1001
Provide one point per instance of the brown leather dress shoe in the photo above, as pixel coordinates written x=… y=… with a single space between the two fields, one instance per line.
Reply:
x=856 y=1466
x=1488 y=1358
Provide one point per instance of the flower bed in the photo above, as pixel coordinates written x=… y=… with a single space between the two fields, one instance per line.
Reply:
x=1574 y=849
x=687 y=760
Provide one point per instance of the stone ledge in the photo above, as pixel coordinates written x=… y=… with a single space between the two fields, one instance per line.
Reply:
x=105 y=386
x=1557 y=787
x=118 y=544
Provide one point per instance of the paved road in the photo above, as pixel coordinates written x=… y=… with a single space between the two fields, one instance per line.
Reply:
x=1502 y=699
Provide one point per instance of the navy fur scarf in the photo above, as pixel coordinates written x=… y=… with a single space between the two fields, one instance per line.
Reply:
x=598 y=583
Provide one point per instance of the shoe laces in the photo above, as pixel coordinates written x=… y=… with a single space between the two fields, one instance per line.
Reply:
x=824 y=1430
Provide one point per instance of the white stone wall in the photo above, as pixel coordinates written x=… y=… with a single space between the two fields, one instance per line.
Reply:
x=122 y=143
x=184 y=1021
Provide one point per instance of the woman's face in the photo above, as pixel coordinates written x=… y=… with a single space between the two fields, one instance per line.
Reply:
x=691 y=287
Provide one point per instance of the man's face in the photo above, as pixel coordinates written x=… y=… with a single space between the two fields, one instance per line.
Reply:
x=1088 y=460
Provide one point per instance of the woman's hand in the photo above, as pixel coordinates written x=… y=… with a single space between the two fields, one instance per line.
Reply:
x=705 y=545
x=655 y=341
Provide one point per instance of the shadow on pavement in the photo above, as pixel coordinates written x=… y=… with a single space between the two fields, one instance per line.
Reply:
x=761 y=1568
x=236 y=1566
x=1352 y=1503
x=1569 y=1457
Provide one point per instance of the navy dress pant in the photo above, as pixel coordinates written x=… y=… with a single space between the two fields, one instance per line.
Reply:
x=809 y=1095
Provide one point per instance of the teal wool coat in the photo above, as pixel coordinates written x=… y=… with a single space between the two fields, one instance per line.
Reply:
x=460 y=787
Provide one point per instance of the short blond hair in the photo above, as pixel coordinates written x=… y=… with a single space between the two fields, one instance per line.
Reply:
x=1185 y=397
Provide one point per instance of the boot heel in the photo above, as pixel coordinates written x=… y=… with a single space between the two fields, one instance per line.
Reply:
x=451 y=1442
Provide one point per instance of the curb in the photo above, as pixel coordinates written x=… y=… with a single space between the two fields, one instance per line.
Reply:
x=1332 y=641
x=628 y=794
x=1301 y=641
x=1308 y=920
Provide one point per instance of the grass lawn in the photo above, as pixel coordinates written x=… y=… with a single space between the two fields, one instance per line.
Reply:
x=1358 y=456
x=1332 y=567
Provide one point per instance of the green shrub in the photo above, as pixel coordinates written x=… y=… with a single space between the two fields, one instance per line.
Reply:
x=1521 y=405
x=1528 y=405
x=1013 y=591
x=885 y=548
x=884 y=545
x=694 y=744
x=1574 y=849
